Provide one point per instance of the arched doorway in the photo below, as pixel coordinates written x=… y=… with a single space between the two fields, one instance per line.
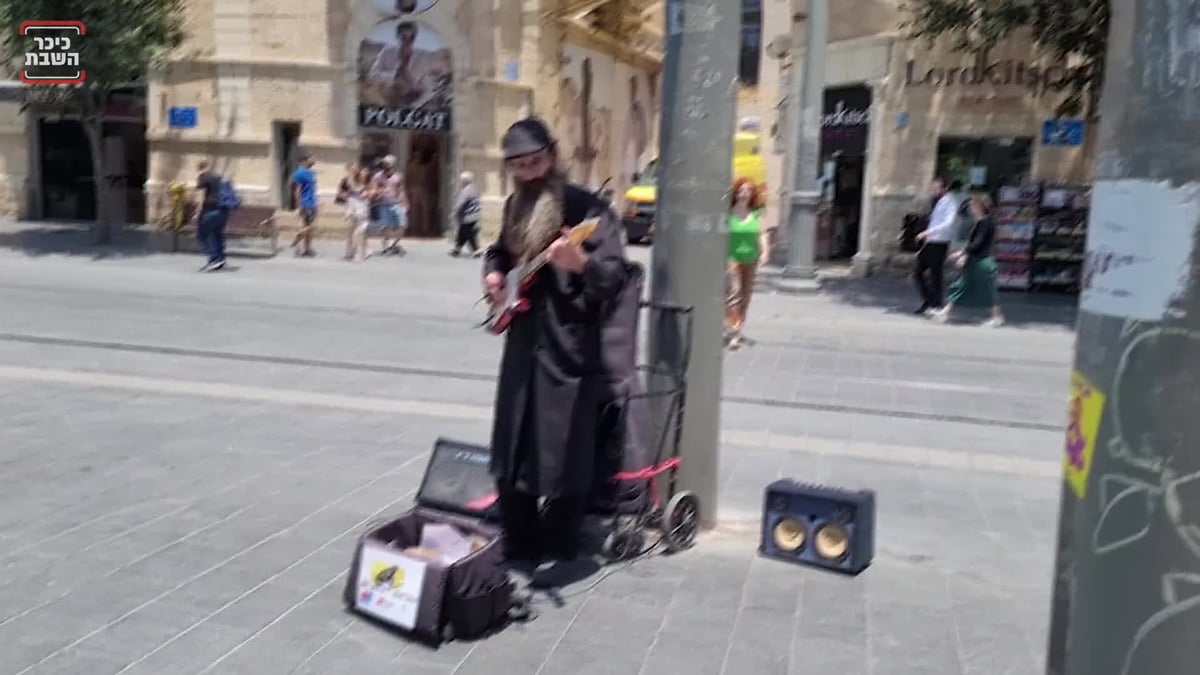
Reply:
x=405 y=94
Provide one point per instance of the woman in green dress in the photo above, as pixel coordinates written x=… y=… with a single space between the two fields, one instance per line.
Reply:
x=975 y=287
x=748 y=248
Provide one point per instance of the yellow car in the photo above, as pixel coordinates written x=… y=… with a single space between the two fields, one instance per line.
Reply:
x=638 y=214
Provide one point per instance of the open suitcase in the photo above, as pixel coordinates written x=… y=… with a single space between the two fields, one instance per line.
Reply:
x=425 y=597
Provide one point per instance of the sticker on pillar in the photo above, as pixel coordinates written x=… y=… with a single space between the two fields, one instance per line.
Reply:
x=691 y=16
x=406 y=77
x=1140 y=239
x=1085 y=407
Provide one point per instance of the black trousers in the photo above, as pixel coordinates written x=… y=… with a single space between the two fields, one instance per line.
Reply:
x=535 y=533
x=930 y=273
x=467 y=237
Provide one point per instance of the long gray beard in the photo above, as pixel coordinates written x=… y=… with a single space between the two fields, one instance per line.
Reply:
x=535 y=218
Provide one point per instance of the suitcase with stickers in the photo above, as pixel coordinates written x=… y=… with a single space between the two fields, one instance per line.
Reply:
x=437 y=572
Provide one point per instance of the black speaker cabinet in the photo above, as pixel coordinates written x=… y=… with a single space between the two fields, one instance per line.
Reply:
x=818 y=526
x=457 y=479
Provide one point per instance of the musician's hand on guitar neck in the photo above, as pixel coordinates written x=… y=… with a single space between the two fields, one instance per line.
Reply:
x=567 y=256
x=493 y=288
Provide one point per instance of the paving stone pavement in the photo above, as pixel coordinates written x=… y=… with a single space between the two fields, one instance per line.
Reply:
x=188 y=458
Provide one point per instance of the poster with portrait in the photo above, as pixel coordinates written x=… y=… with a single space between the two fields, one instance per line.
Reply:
x=405 y=77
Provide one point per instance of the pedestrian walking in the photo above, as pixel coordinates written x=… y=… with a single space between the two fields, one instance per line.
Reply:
x=209 y=217
x=747 y=249
x=389 y=206
x=466 y=213
x=930 y=272
x=304 y=198
x=975 y=287
x=552 y=378
x=352 y=193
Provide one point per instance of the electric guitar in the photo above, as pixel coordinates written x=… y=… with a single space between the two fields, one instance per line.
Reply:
x=518 y=282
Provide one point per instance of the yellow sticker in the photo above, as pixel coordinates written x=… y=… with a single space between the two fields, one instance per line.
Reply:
x=1084 y=409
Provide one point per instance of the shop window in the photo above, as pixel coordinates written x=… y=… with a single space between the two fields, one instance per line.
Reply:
x=285 y=150
x=750 y=56
x=985 y=164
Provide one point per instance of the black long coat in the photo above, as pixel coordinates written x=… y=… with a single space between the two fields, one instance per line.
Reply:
x=552 y=375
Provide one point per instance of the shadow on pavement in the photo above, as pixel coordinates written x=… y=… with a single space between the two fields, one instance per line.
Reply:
x=897 y=295
x=78 y=240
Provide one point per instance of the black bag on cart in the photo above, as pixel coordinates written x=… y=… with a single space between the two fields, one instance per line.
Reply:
x=625 y=425
x=419 y=594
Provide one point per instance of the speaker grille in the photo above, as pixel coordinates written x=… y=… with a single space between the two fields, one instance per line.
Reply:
x=789 y=535
x=831 y=541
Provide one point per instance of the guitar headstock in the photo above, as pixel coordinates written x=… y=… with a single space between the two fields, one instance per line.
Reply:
x=583 y=230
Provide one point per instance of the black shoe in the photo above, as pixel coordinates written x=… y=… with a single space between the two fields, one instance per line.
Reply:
x=921 y=312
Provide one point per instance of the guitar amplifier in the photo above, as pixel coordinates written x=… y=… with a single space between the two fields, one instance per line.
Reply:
x=458 y=479
x=818 y=526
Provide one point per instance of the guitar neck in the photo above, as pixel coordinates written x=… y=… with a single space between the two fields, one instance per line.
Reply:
x=531 y=268
x=539 y=261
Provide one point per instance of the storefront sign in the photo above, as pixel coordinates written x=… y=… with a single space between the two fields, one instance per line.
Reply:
x=846 y=120
x=991 y=104
x=406 y=81
x=1062 y=133
x=1002 y=73
x=404 y=119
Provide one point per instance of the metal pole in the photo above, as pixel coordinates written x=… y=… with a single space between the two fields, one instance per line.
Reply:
x=1127 y=578
x=804 y=197
x=699 y=97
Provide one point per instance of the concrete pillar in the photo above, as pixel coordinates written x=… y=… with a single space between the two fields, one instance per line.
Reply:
x=864 y=259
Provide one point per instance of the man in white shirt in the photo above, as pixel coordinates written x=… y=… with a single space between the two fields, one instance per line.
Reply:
x=935 y=240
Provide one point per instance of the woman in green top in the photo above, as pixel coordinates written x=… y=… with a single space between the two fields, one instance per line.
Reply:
x=748 y=246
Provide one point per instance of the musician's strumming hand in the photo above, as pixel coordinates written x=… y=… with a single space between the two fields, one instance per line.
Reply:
x=493 y=287
x=567 y=256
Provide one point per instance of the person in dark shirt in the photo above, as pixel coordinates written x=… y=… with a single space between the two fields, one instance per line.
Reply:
x=210 y=218
x=975 y=287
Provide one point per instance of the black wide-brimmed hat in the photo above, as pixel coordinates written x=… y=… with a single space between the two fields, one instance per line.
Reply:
x=526 y=137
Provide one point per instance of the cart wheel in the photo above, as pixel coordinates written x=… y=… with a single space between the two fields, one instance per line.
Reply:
x=619 y=545
x=681 y=521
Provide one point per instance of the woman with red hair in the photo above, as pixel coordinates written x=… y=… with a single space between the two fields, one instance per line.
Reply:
x=748 y=247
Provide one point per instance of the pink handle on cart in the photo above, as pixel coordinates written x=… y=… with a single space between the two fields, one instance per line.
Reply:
x=650 y=472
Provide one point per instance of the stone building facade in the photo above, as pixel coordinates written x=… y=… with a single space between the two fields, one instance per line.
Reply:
x=268 y=80
x=254 y=69
x=921 y=105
